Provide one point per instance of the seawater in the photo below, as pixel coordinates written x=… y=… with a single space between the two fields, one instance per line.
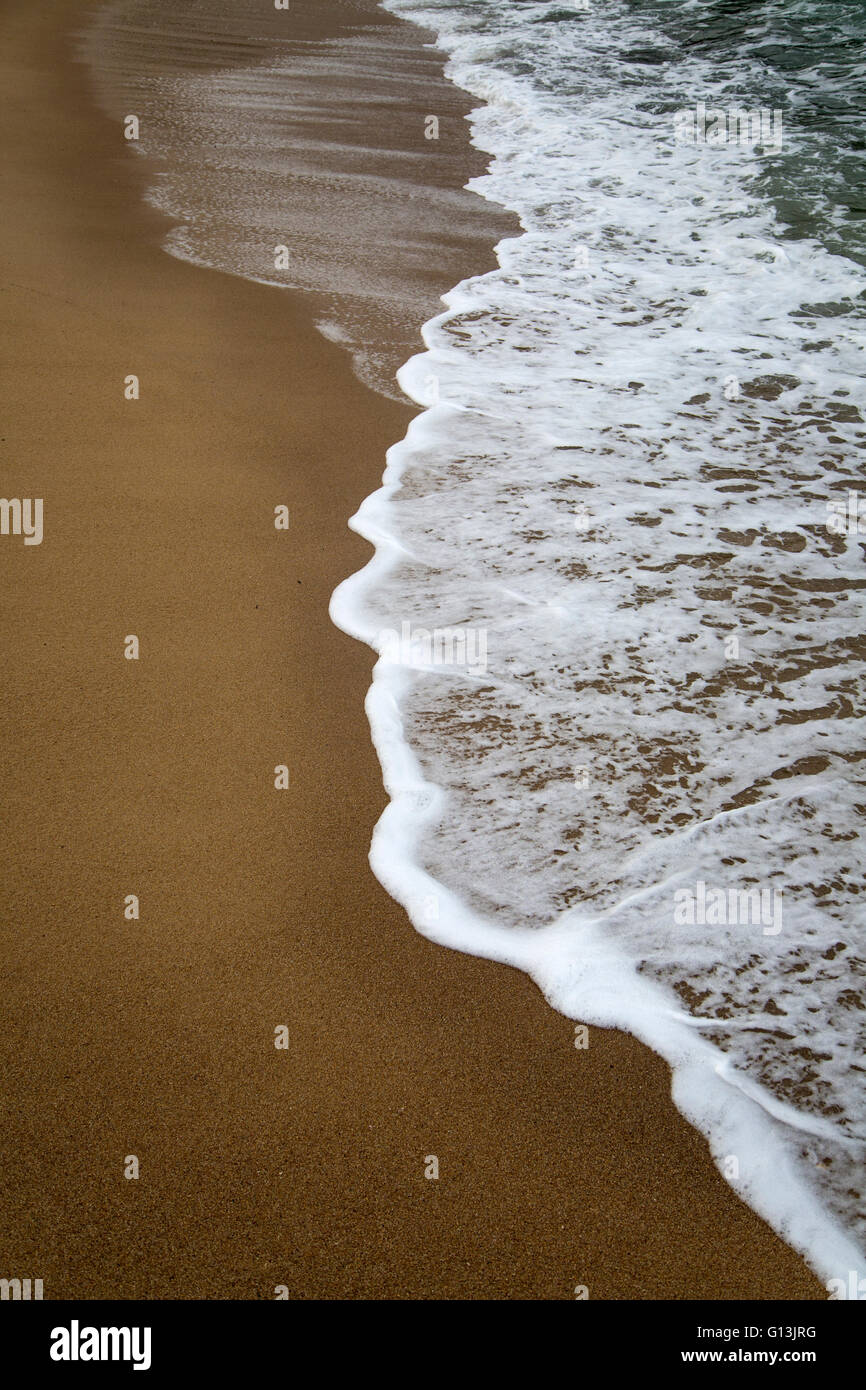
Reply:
x=639 y=474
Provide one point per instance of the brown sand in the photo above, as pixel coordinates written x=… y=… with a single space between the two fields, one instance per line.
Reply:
x=258 y=1167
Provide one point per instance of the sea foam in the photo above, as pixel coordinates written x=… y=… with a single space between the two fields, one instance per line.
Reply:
x=635 y=432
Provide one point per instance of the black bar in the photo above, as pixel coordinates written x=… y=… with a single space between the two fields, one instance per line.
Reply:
x=407 y=1340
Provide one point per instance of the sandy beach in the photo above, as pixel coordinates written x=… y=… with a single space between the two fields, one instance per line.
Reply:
x=259 y=1167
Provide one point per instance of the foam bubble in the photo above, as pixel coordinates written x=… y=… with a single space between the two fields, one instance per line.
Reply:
x=636 y=431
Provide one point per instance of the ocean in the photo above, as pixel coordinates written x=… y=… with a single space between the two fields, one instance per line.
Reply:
x=615 y=589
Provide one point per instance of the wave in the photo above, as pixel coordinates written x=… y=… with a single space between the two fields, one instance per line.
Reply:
x=636 y=485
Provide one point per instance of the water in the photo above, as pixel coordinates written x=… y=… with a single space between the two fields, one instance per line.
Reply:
x=650 y=797
x=303 y=129
x=633 y=767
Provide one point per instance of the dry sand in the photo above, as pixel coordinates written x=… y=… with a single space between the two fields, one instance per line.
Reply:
x=258 y=1167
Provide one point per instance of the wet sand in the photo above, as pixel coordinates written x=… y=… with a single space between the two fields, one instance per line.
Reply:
x=259 y=1167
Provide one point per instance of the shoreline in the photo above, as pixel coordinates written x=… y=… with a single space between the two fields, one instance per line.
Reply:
x=258 y=1167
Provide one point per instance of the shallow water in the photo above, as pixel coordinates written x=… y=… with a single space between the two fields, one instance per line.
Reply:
x=637 y=479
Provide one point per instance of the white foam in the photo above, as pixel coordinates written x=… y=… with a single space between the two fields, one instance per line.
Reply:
x=583 y=491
